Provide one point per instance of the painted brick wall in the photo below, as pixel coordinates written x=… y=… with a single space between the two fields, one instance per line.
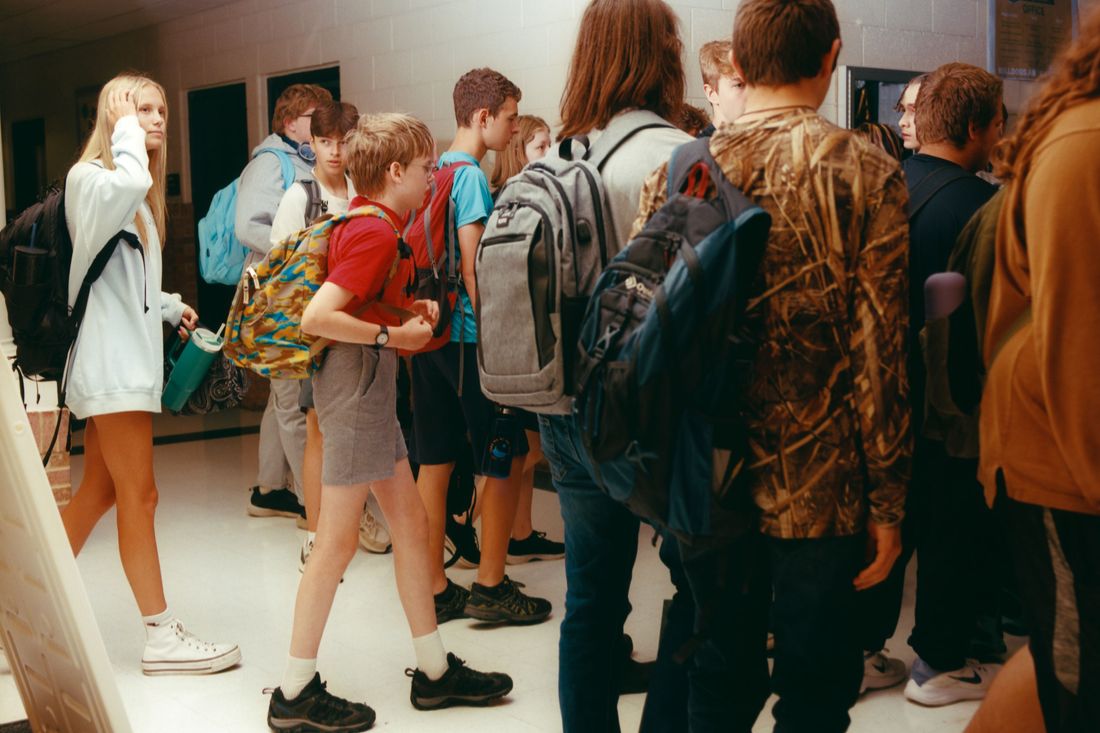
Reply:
x=406 y=54
x=57 y=470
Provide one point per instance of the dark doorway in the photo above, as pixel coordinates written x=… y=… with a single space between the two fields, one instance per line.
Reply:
x=218 y=125
x=328 y=78
x=28 y=143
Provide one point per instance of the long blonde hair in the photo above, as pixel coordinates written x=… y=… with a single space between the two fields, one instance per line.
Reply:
x=511 y=160
x=98 y=148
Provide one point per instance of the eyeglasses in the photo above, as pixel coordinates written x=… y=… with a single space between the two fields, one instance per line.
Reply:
x=430 y=168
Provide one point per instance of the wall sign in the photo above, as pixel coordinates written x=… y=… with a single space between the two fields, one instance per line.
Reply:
x=1028 y=34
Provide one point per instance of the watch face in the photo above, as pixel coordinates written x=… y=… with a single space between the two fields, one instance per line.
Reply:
x=383 y=338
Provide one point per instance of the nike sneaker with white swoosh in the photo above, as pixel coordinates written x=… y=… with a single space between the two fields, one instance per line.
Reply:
x=930 y=687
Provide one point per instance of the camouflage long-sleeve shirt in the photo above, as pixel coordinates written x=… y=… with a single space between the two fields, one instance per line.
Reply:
x=827 y=405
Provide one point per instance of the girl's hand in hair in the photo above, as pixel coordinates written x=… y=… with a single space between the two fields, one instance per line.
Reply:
x=121 y=102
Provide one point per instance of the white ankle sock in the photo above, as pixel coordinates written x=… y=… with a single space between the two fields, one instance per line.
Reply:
x=298 y=674
x=431 y=658
x=311 y=536
x=158 y=625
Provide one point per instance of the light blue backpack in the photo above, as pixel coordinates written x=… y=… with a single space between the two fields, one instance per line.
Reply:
x=221 y=254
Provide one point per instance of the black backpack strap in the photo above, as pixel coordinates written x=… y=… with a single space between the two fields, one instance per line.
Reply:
x=80 y=305
x=932 y=184
x=315 y=205
x=685 y=163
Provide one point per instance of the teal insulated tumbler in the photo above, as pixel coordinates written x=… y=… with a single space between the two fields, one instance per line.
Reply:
x=190 y=361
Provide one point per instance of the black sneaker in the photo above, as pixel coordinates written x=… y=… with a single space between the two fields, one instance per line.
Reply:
x=459 y=685
x=461 y=542
x=634 y=676
x=275 y=503
x=505 y=603
x=534 y=547
x=316 y=710
x=451 y=603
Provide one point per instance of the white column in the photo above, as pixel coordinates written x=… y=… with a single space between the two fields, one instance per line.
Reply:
x=7 y=346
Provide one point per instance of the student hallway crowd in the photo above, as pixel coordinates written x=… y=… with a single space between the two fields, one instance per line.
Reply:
x=858 y=295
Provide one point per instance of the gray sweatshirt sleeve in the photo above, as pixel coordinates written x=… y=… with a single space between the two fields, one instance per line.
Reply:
x=258 y=196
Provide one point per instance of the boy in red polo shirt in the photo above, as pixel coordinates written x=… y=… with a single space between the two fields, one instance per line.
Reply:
x=390 y=161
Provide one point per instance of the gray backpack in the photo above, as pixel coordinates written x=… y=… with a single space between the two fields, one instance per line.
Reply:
x=546 y=242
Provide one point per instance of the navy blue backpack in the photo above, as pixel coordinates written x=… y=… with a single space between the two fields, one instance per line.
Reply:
x=660 y=365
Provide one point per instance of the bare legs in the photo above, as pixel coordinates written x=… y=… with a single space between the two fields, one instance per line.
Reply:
x=336 y=543
x=431 y=484
x=311 y=470
x=1012 y=703
x=118 y=469
x=522 y=527
x=498 y=512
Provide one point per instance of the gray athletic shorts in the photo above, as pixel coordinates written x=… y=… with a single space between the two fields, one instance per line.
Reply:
x=355 y=392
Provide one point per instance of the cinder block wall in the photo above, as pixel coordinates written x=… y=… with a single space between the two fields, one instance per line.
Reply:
x=406 y=55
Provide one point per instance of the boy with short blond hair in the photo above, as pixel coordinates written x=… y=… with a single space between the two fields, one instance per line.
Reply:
x=449 y=403
x=365 y=309
x=722 y=86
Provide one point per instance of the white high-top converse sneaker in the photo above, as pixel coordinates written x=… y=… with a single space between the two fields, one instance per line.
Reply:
x=171 y=649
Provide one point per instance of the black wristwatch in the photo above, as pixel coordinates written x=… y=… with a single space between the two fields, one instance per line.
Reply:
x=383 y=337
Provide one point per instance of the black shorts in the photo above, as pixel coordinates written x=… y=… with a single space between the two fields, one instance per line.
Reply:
x=441 y=418
x=1055 y=554
x=305 y=396
x=528 y=420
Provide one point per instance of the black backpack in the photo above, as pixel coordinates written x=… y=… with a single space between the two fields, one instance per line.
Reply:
x=36 y=253
x=660 y=367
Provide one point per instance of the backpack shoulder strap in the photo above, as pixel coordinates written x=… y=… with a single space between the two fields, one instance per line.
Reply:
x=618 y=132
x=932 y=184
x=685 y=165
x=285 y=164
x=315 y=205
x=443 y=177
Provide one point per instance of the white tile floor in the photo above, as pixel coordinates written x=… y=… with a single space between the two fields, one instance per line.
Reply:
x=232 y=577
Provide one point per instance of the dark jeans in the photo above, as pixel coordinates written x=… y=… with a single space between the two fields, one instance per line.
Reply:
x=880 y=605
x=818 y=656
x=729 y=592
x=601 y=542
x=956 y=541
x=728 y=672
x=959 y=568
x=1056 y=555
x=665 y=708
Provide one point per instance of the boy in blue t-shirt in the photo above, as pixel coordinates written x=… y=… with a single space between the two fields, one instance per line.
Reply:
x=448 y=402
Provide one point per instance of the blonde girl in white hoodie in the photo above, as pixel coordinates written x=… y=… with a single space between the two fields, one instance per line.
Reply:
x=115 y=376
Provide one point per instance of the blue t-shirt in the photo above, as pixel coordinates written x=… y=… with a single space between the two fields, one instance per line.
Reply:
x=472 y=204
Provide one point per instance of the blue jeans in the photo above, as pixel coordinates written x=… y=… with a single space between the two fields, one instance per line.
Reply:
x=601 y=542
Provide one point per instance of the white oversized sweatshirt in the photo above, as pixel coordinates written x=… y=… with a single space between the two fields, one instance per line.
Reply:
x=117 y=363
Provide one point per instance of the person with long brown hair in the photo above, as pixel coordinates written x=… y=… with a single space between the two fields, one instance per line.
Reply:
x=625 y=79
x=116 y=372
x=1040 y=450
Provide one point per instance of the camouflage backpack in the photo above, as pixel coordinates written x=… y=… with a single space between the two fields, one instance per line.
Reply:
x=264 y=326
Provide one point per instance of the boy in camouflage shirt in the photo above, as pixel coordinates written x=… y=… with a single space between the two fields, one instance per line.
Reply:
x=826 y=404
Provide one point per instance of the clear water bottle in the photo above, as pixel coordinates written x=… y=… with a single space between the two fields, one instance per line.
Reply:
x=501 y=448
